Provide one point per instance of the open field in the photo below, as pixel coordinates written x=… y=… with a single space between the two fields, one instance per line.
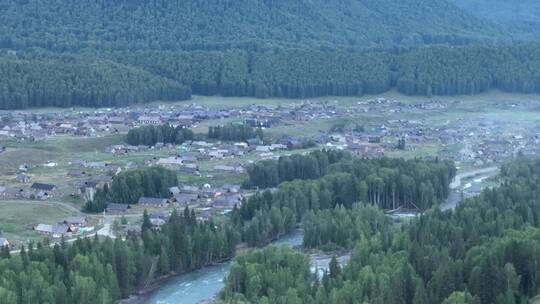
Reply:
x=219 y=101
x=18 y=217
x=60 y=149
x=223 y=102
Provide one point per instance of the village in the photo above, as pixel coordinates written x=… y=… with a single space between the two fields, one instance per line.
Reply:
x=62 y=157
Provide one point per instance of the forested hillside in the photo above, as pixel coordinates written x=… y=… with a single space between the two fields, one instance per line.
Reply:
x=521 y=17
x=217 y=24
x=324 y=180
x=114 y=53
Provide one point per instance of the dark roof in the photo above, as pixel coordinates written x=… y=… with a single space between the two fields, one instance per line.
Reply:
x=60 y=229
x=117 y=207
x=90 y=184
x=152 y=201
x=74 y=220
x=12 y=191
x=45 y=187
x=184 y=198
x=53 y=229
x=76 y=173
x=227 y=201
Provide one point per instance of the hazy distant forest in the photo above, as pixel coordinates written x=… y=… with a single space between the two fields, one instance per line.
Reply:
x=113 y=53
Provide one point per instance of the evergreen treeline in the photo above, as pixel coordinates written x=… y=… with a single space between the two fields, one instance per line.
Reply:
x=185 y=243
x=295 y=73
x=97 y=83
x=387 y=183
x=270 y=173
x=127 y=187
x=93 y=271
x=487 y=250
x=235 y=132
x=301 y=73
x=150 y=135
x=278 y=273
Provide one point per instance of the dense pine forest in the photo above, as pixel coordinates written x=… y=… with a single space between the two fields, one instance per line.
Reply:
x=270 y=173
x=386 y=183
x=235 y=132
x=42 y=79
x=341 y=228
x=150 y=135
x=299 y=73
x=487 y=250
x=43 y=82
x=101 y=54
x=92 y=271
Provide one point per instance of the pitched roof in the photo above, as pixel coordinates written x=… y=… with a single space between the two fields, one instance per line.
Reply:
x=11 y=190
x=152 y=201
x=184 y=198
x=44 y=187
x=44 y=228
x=188 y=189
x=117 y=207
x=227 y=201
x=60 y=229
x=75 y=220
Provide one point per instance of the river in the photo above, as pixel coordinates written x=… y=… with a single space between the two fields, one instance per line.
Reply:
x=202 y=285
x=463 y=188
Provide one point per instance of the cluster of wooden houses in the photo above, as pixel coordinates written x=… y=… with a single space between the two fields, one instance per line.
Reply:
x=40 y=191
x=223 y=198
x=34 y=126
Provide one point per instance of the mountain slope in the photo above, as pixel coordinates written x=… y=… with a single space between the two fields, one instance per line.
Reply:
x=118 y=52
x=521 y=17
x=218 y=24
